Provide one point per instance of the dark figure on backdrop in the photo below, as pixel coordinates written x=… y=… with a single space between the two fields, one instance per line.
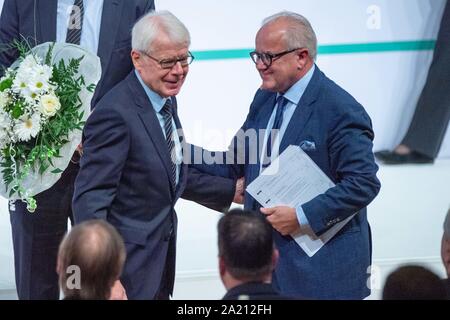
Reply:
x=103 y=27
x=94 y=250
x=413 y=283
x=429 y=124
x=247 y=256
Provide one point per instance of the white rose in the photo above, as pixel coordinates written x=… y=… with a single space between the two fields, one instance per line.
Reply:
x=49 y=105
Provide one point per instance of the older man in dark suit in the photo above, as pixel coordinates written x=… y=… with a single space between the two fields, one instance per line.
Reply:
x=103 y=27
x=132 y=172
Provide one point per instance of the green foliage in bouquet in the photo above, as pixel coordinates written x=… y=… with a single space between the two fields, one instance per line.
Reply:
x=40 y=106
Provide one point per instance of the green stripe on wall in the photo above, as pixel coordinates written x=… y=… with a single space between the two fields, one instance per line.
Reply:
x=222 y=54
x=377 y=47
x=327 y=49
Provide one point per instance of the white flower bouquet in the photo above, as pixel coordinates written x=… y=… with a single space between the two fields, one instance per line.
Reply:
x=44 y=101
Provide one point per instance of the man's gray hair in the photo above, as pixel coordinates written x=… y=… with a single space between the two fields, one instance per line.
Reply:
x=300 y=34
x=447 y=225
x=155 y=23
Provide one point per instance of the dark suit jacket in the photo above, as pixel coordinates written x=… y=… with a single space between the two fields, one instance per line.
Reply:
x=125 y=178
x=340 y=131
x=254 y=291
x=36 y=21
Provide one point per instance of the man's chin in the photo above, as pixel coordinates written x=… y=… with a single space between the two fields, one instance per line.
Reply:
x=267 y=86
x=170 y=92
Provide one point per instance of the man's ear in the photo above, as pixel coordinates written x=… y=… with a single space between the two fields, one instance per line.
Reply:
x=275 y=256
x=302 y=58
x=136 y=58
x=58 y=266
x=222 y=266
x=445 y=254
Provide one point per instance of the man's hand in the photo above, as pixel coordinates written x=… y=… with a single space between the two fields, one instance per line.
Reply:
x=80 y=149
x=118 y=292
x=239 y=193
x=283 y=219
x=77 y=154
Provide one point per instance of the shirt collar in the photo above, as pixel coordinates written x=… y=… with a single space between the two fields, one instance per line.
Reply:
x=295 y=92
x=156 y=100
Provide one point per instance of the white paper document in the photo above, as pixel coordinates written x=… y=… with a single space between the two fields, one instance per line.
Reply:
x=292 y=180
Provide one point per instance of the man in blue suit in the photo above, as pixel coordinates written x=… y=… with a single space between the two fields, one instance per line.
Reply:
x=132 y=171
x=104 y=28
x=307 y=109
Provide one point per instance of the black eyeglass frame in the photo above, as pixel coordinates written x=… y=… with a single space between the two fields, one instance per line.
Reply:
x=269 y=57
x=170 y=63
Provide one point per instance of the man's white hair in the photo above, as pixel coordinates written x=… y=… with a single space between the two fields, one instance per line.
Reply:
x=300 y=34
x=155 y=23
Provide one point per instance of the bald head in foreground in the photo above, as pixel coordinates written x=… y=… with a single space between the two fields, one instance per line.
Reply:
x=90 y=261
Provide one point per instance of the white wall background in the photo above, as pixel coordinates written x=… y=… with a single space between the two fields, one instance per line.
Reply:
x=215 y=100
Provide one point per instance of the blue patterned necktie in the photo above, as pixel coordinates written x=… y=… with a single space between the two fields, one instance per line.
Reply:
x=166 y=112
x=281 y=102
x=75 y=23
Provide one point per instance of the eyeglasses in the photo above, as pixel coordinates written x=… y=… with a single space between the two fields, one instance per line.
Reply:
x=169 y=63
x=267 y=58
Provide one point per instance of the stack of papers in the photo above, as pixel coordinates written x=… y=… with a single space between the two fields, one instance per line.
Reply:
x=292 y=180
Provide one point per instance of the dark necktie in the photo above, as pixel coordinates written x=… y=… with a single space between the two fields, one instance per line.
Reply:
x=166 y=112
x=281 y=102
x=75 y=23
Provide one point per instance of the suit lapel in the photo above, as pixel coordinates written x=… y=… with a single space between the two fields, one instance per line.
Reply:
x=151 y=124
x=264 y=113
x=183 y=166
x=46 y=24
x=302 y=113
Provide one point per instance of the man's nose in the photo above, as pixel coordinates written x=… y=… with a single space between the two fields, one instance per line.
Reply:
x=178 y=68
x=260 y=65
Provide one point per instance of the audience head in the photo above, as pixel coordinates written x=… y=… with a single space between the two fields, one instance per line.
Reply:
x=445 y=245
x=286 y=47
x=414 y=283
x=246 y=248
x=160 y=52
x=90 y=260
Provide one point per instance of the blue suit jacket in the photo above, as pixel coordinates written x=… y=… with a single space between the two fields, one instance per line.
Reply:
x=335 y=131
x=125 y=178
x=36 y=21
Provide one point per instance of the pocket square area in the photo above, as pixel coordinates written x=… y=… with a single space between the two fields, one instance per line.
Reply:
x=307 y=145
